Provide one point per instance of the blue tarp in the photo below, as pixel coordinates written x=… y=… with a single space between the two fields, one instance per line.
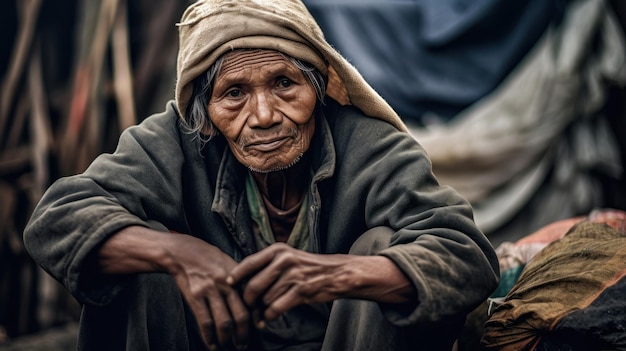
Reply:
x=434 y=56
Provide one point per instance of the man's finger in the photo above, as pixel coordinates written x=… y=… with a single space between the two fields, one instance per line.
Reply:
x=222 y=320
x=241 y=319
x=257 y=318
x=255 y=262
x=282 y=304
x=205 y=324
x=255 y=289
x=248 y=266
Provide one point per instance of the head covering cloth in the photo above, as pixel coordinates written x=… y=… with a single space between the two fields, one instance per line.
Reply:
x=209 y=29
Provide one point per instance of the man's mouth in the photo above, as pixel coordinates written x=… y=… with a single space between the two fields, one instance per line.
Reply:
x=267 y=145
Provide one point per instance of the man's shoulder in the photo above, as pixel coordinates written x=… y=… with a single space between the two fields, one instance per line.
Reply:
x=347 y=121
x=168 y=118
x=348 y=117
x=158 y=130
x=166 y=123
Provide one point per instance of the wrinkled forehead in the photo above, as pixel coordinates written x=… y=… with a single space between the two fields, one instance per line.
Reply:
x=257 y=58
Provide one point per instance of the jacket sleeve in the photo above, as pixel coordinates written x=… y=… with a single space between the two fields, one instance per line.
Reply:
x=436 y=242
x=136 y=184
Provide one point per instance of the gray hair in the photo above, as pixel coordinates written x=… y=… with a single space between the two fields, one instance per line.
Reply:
x=198 y=121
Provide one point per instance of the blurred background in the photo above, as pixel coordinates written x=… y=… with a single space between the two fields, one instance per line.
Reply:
x=75 y=73
x=520 y=104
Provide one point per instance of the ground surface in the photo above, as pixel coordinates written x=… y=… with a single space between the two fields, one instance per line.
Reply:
x=54 y=339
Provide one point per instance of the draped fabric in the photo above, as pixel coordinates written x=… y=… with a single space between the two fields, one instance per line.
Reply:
x=430 y=59
x=543 y=125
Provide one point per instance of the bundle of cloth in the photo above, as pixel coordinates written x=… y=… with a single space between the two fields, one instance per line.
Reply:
x=563 y=288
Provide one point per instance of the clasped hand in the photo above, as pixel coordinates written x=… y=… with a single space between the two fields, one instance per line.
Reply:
x=228 y=298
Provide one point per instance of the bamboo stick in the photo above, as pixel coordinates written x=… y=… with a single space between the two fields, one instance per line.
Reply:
x=7 y=206
x=122 y=71
x=40 y=131
x=19 y=114
x=28 y=13
x=95 y=118
x=81 y=139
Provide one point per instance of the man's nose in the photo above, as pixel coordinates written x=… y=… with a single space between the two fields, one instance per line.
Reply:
x=264 y=111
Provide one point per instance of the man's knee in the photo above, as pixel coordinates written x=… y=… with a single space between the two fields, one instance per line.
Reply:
x=149 y=313
x=372 y=241
x=143 y=295
x=154 y=286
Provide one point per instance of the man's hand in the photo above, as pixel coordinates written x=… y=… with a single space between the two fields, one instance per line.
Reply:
x=281 y=277
x=200 y=271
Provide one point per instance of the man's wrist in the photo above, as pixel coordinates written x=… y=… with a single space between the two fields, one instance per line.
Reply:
x=379 y=279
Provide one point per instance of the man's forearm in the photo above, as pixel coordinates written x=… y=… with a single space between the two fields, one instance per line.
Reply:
x=134 y=249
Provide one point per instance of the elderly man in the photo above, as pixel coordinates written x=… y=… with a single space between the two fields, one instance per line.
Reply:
x=277 y=204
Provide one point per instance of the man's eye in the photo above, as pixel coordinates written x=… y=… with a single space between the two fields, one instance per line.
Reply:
x=284 y=83
x=234 y=93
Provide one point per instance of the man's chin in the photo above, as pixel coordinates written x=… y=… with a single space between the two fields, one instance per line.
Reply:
x=275 y=167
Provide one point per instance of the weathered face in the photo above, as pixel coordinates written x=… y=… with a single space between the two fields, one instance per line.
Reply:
x=263 y=105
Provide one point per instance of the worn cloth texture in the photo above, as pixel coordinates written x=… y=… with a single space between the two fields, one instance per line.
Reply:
x=209 y=29
x=366 y=174
x=513 y=257
x=570 y=296
x=542 y=126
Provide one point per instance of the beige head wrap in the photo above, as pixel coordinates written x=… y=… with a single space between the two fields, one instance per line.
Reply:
x=210 y=28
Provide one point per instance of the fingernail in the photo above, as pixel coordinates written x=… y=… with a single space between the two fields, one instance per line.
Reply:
x=230 y=280
x=261 y=325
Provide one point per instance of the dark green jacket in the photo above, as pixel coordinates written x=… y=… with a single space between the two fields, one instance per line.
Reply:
x=366 y=174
